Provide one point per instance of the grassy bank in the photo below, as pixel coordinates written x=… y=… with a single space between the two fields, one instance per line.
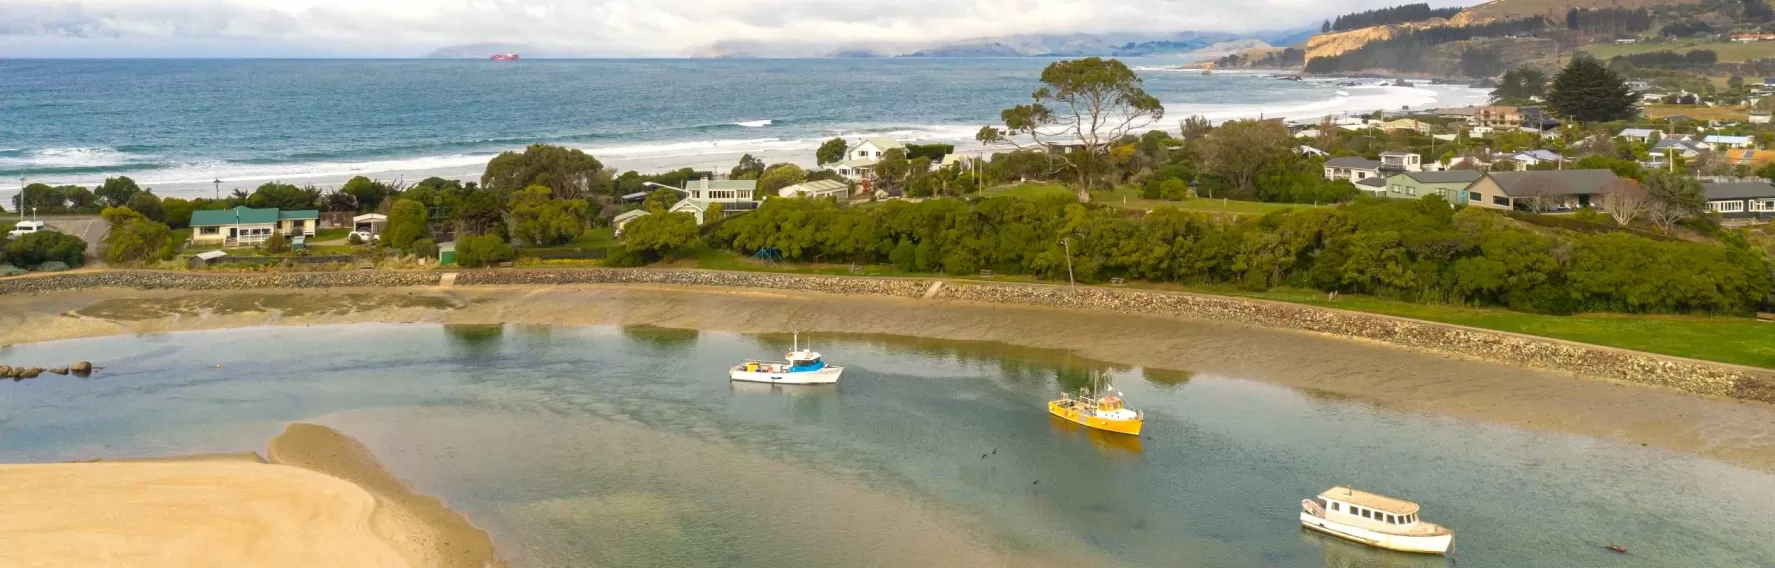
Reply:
x=1129 y=198
x=1736 y=340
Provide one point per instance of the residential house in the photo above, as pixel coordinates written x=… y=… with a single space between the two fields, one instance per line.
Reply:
x=1769 y=81
x=1308 y=133
x=1351 y=168
x=1497 y=117
x=1683 y=98
x=246 y=226
x=1723 y=142
x=1406 y=124
x=1401 y=162
x=625 y=217
x=1641 y=135
x=1535 y=157
x=1759 y=117
x=1552 y=190
x=1373 y=186
x=1467 y=113
x=1533 y=118
x=734 y=196
x=1741 y=201
x=818 y=189
x=1750 y=38
x=1639 y=86
x=1653 y=98
x=859 y=159
x=1678 y=147
x=1311 y=151
x=1451 y=185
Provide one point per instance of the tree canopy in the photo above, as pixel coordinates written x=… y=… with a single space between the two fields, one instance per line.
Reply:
x=1587 y=91
x=367 y=193
x=134 y=238
x=284 y=196
x=1084 y=103
x=407 y=222
x=45 y=246
x=1520 y=84
x=830 y=152
x=570 y=173
x=541 y=220
x=116 y=191
x=779 y=176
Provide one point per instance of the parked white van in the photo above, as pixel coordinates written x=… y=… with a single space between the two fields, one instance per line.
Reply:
x=25 y=228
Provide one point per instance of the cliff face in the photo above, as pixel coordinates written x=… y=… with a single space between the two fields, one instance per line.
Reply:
x=1328 y=45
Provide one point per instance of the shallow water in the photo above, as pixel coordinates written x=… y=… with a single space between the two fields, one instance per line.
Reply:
x=626 y=447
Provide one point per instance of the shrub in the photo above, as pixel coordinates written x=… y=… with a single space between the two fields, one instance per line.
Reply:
x=425 y=248
x=354 y=239
x=406 y=223
x=135 y=238
x=45 y=246
x=483 y=250
x=276 y=244
x=52 y=266
x=1589 y=215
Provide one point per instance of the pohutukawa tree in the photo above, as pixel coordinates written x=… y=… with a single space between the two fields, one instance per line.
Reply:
x=1083 y=106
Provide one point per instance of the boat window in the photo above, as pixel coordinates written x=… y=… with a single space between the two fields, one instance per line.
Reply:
x=1392 y=520
x=1334 y=506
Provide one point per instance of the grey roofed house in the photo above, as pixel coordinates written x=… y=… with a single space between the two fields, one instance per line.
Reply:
x=1683 y=146
x=1738 y=190
x=1353 y=163
x=1373 y=183
x=1561 y=182
x=1450 y=176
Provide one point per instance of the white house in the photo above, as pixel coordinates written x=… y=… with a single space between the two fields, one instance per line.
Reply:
x=699 y=194
x=1353 y=169
x=860 y=158
x=1759 y=117
x=1728 y=141
x=1641 y=135
x=245 y=226
x=1401 y=162
x=817 y=189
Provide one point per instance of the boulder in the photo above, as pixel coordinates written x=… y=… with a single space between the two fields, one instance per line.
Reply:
x=59 y=370
x=4 y=370
x=30 y=373
x=81 y=368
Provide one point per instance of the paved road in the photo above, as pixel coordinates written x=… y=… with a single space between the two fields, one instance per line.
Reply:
x=89 y=229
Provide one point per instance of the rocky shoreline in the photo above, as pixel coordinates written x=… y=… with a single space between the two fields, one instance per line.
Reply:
x=1698 y=377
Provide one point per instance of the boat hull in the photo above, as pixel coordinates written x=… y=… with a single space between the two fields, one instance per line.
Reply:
x=1428 y=544
x=824 y=376
x=1129 y=427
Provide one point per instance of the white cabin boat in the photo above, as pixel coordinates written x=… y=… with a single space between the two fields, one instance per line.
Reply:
x=1374 y=520
x=803 y=367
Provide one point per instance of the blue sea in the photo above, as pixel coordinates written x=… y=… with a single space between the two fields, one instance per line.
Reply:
x=178 y=124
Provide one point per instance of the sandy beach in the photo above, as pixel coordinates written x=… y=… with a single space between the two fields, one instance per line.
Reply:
x=1733 y=431
x=321 y=500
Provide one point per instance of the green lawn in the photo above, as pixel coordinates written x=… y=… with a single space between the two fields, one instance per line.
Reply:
x=1128 y=197
x=330 y=234
x=1727 y=51
x=1742 y=341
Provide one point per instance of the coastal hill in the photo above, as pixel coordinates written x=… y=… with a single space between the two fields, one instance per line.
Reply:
x=1178 y=44
x=483 y=51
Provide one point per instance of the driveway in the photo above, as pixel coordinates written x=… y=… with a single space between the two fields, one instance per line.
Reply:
x=89 y=229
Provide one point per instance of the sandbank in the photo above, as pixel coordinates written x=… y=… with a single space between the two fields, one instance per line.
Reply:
x=321 y=500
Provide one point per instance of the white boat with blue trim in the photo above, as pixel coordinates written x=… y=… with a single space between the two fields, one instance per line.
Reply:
x=803 y=367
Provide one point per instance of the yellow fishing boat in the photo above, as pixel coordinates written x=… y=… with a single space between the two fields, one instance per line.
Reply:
x=1098 y=410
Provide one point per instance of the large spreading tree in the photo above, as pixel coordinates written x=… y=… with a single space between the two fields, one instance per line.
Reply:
x=570 y=173
x=1587 y=91
x=1083 y=107
x=1520 y=84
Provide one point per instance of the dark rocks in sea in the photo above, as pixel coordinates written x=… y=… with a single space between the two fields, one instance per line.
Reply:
x=81 y=368
x=59 y=370
x=31 y=373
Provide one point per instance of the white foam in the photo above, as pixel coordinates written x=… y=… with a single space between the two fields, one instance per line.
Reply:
x=78 y=157
x=754 y=123
x=1349 y=100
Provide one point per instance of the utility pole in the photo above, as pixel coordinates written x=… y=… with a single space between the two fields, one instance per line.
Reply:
x=1069 y=280
x=21 y=196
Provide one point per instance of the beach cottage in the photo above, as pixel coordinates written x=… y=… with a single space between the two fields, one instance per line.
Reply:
x=246 y=226
x=1556 y=190
x=860 y=159
x=818 y=189
x=1747 y=201
x=1451 y=185
x=1352 y=168
x=625 y=217
x=734 y=195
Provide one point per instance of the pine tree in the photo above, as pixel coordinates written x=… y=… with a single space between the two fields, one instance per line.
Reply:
x=1587 y=91
x=1325 y=28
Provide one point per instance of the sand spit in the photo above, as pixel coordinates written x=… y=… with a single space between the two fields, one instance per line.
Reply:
x=321 y=500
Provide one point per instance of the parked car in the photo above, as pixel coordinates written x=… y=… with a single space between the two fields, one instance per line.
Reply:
x=25 y=228
x=362 y=237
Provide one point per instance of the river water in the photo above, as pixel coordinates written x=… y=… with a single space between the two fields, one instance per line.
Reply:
x=627 y=447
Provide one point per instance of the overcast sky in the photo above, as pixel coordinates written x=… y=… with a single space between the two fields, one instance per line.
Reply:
x=106 y=28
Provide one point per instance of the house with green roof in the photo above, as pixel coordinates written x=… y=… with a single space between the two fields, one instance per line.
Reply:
x=247 y=226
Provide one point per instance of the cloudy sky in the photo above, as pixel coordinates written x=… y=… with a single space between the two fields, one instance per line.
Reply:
x=105 y=28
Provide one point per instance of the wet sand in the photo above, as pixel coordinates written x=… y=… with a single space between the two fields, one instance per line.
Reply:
x=1738 y=432
x=320 y=501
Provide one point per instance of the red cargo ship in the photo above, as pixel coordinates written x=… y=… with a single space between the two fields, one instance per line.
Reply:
x=508 y=56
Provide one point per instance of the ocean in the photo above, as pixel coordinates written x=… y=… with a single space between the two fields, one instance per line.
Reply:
x=176 y=125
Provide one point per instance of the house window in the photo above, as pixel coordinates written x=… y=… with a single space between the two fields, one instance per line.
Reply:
x=209 y=230
x=1474 y=196
x=1765 y=205
x=1727 y=206
x=1500 y=201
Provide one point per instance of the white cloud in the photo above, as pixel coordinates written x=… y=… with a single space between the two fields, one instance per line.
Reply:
x=624 y=27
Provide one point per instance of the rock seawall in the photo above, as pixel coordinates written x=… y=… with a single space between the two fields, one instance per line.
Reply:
x=1697 y=377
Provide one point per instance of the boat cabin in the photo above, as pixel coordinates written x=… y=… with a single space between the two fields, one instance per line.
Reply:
x=1109 y=404
x=1368 y=510
x=803 y=360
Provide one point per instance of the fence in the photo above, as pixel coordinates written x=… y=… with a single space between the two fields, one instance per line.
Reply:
x=564 y=253
x=337 y=258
